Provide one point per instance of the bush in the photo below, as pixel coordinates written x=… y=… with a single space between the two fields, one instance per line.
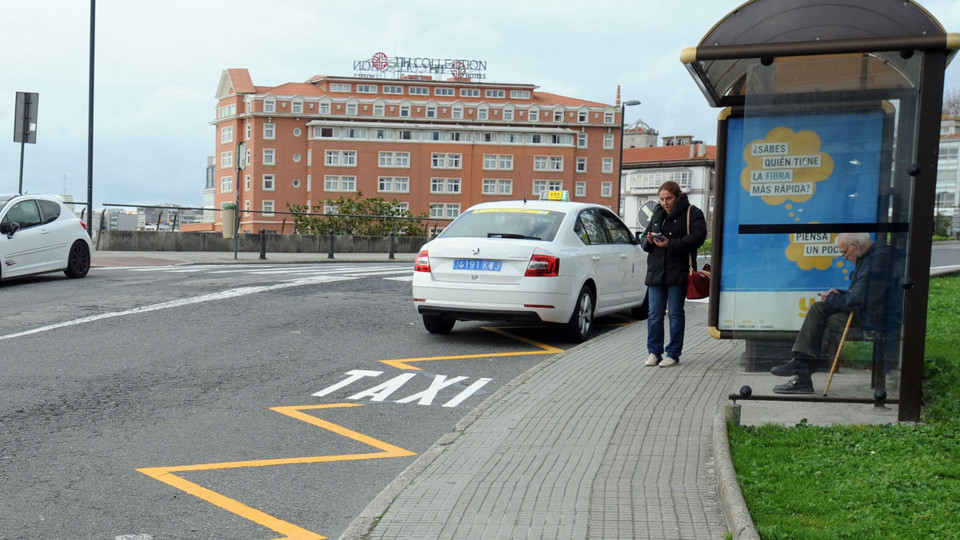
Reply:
x=358 y=216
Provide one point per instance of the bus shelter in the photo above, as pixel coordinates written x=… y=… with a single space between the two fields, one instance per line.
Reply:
x=830 y=125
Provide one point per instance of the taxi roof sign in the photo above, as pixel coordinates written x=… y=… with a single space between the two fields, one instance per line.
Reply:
x=563 y=195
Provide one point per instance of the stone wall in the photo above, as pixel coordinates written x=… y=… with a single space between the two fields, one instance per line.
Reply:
x=275 y=243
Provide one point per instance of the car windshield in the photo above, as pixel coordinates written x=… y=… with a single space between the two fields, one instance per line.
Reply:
x=4 y=199
x=523 y=223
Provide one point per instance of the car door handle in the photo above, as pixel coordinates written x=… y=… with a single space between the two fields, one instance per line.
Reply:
x=595 y=258
x=623 y=255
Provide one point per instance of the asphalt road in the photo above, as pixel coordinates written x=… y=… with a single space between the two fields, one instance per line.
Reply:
x=237 y=401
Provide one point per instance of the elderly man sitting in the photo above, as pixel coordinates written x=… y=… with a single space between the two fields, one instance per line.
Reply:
x=866 y=298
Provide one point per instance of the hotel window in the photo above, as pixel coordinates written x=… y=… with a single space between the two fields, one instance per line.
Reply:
x=325 y=132
x=378 y=109
x=433 y=135
x=441 y=210
x=393 y=184
x=483 y=113
x=558 y=116
x=606 y=189
x=269 y=105
x=534 y=115
x=269 y=182
x=353 y=133
x=508 y=114
x=539 y=163
x=580 y=189
x=519 y=94
x=402 y=207
x=404 y=110
x=458 y=136
x=296 y=107
x=366 y=88
x=581 y=164
x=608 y=141
x=446 y=161
x=249 y=128
x=269 y=131
x=607 y=165
x=608 y=118
x=382 y=134
x=246 y=183
x=536 y=139
x=512 y=137
x=469 y=92
x=340 y=158
x=444 y=92
x=395 y=159
x=503 y=162
x=267 y=208
x=556 y=163
x=456 y=113
x=269 y=156
x=487 y=137
x=226 y=160
x=340 y=183
x=226 y=134
x=419 y=91
x=391 y=89
x=497 y=94
x=583 y=117
x=351 y=109
x=339 y=87
x=407 y=135
x=431 y=112
x=499 y=186
x=444 y=185
x=546 y=185
x=582 y=139
x=226 y=184
x=324 y=108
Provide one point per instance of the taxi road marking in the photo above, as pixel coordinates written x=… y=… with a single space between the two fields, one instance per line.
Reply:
x=402 y=363
x=289 y=530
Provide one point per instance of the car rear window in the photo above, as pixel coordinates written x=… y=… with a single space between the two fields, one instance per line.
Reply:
x=506 y=223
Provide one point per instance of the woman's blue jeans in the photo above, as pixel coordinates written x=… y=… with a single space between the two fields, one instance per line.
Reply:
x=662 y=298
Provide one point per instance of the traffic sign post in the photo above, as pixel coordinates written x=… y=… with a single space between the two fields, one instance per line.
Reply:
x=25 y=125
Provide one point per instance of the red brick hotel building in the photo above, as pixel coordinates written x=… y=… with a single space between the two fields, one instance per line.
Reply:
x=436 y=146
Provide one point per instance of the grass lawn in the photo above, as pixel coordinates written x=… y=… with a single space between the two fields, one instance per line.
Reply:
x=857 y=482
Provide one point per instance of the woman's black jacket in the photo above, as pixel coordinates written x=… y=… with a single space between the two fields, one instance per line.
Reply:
x=670 y=265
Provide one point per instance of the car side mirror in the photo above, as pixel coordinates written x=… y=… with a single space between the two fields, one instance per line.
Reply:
x=9 y=229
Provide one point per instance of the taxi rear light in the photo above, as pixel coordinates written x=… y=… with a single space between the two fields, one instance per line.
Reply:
x=543 y=266
x=422 y=263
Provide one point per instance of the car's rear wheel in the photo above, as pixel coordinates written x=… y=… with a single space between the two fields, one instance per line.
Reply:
x=436 y=324
x=78 y=261
x=642 y=312
x=577 y=329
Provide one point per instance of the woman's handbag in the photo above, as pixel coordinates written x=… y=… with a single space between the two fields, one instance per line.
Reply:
x=698 y=283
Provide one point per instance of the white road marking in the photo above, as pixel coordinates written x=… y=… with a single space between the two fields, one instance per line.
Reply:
x=222 y=295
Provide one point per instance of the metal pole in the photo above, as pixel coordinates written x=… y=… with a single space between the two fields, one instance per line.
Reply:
x=20 y=186
x=93 y=19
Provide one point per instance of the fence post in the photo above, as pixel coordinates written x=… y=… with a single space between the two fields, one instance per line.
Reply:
x=390 y=254
x=263 y=244
x=330 y=247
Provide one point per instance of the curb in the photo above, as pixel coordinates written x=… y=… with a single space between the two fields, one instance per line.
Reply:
x=734 y=507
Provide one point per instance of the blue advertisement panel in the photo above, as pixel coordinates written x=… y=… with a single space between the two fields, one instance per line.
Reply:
x=785 y=175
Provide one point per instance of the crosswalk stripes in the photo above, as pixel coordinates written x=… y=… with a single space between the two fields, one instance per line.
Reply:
x=393 y=272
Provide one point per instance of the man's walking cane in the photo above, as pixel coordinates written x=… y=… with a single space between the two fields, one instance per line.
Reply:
x=836 y=359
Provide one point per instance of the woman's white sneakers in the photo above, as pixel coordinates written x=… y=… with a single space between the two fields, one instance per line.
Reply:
x=668 y=362
x=652 y=360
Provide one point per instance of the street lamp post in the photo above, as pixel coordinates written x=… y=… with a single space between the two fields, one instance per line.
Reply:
x=623 y=109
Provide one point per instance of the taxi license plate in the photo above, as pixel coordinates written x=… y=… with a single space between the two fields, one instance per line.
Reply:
x=479 y=265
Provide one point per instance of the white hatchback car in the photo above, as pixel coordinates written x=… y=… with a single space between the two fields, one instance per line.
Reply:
x=550 y=261
x=38 y=234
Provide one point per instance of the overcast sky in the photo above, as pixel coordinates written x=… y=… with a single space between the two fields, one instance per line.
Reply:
x=158 y=64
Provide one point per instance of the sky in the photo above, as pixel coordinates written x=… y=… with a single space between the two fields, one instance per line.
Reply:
x=158 y=62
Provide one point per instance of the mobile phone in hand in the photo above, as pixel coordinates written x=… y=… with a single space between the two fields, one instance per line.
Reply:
x=658 y=236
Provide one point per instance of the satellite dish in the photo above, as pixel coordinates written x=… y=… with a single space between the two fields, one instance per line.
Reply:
x=644 y=214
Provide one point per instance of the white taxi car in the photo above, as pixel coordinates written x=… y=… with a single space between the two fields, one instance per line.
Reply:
x=548 y=260
x=38 y=234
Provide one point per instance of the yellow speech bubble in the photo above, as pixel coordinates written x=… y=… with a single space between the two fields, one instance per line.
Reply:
x=785 y=166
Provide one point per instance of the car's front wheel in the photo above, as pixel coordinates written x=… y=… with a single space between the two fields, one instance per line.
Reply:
x=78 y=261
x=577 y=329
x=436 y=324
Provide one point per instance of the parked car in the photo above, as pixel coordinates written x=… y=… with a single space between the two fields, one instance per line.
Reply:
x=542 y=261
x=38 y=234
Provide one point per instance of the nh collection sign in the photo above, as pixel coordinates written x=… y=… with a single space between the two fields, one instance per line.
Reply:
x=380 y=65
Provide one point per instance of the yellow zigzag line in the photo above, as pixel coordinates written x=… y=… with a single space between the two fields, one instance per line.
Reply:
x=402 y=363
x=289 y=530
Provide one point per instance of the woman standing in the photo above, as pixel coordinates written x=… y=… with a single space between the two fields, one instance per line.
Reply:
x=669 y=246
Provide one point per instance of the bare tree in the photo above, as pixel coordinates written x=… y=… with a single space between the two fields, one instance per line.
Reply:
x=951 y=102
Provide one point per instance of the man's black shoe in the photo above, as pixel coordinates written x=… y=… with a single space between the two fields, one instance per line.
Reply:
x=795 y=386
x=793 y=367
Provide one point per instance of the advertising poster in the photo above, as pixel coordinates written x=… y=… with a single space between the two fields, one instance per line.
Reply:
x=787 y=179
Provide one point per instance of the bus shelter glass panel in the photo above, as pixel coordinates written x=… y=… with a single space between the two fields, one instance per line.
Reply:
x=822 y=147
